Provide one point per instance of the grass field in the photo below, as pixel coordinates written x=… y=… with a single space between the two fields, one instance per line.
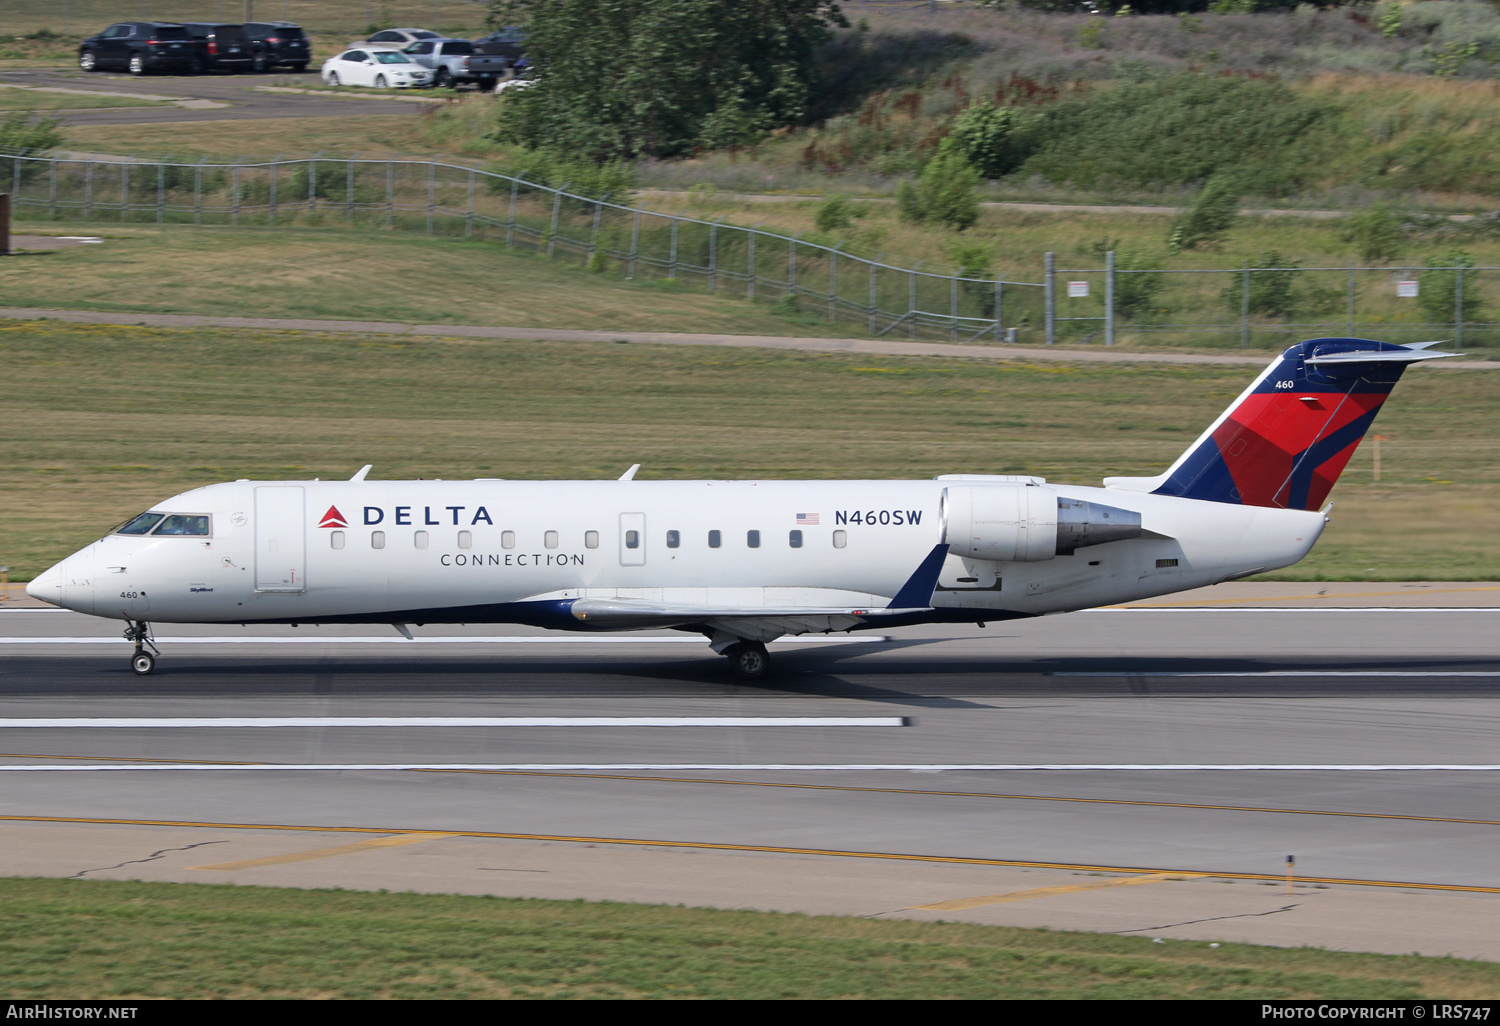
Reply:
x=125 y=940
x=103 y=421
x=39 y=100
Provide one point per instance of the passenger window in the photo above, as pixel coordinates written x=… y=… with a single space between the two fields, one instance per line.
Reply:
x=591 y=539
x=632 y=539
x=674 y=539
x=795 y=538
x=507 y=539
x=421 y=539
x=336 y=539
x=752 y=539
x=178 y=524
x=377 y=539
x=466 y=539
x=840 y=539
x=550 y=539
x=713 y=539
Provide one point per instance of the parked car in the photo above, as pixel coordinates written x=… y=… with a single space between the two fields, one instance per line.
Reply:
x=221 y=46
x=382 y=69
x=139 y=47
x=453 y=62
x=397 y=37
x=275 y=43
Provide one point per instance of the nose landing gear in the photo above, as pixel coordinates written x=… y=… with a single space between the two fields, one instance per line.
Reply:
x=749 y=659
x=142 y=662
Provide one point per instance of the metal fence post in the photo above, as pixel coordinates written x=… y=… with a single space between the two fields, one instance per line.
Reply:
x=88 y=190
x=275 y=166
x=52 y=190
x=556 y=210
x=791 y=266
x=1458 y=304
x=1109 y=298
x=833 y=284
x=594 y=237
x=999 y=336
x=349 y=187
x=1050 y=297
x=1245 y=310
x=635 y=245
x=510 y=223
x=15 y=177
x=390 y=192
x=953 y=305
x=713 y=254
x=125 y=191
x=312 y=183
x=874 y=296
x=672 y=259
x=911 y=301
x=431 y=193
x=750 y=292
x=234 y=182
x=198 y=192
x=161 y=190
x=469 y=213
x=1350 y=318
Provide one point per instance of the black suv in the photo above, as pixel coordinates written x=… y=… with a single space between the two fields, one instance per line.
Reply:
x=220 y=46
x=278 y=42
x=139 y=47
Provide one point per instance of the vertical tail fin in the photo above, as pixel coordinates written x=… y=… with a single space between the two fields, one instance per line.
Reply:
x=1285 y=440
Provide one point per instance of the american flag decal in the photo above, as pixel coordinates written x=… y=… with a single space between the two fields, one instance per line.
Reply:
x=807 y=520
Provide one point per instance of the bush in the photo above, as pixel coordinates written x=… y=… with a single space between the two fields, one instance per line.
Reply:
x=834 y=213
x=1437 y=289
x=1136 y=291
x=993 y=139
x=1376 y=232
x=945 y=192
x=614 y=179
x=1273 y=288
x=1208 y=220
x=21 y=136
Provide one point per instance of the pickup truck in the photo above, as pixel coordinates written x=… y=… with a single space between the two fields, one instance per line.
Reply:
x=455 y=62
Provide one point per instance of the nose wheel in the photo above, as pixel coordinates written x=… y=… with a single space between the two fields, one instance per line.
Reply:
x=142 y=662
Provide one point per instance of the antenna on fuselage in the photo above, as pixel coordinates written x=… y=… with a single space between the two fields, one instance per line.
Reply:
x=629 y=475
x=360 y=476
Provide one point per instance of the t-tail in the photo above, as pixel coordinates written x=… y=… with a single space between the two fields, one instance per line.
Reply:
x=1286 y=439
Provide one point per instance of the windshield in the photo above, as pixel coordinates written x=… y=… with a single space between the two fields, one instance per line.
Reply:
x=178 y=523
x=139 y=525
x=391 y=57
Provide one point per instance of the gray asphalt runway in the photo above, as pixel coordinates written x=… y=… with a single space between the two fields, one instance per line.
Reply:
x=1191 y=748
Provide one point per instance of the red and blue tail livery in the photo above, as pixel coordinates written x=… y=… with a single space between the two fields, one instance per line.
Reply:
x=1285 y=440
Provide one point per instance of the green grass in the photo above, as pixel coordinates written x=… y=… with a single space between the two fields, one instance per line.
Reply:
x=36 y=99
x=103 y=421
x=125 y=940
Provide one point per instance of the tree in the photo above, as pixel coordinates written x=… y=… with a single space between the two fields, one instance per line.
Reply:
x=619 y=79
x=1376 y=231
x=992 y=138
x=1438 y=285
x=1210 y=217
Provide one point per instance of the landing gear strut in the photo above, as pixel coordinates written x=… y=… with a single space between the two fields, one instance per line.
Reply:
x=749 y=659
x=142 y=662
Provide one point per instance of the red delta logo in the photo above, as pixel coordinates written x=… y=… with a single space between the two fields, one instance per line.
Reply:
x=333 y=518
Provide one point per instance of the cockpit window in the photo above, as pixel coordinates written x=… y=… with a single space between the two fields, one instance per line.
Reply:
x=141 y=524
x=179 y=523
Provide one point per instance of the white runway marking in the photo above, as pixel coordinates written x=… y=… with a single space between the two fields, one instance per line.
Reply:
x=594 y=767
x=195 y=722
x=446 y=639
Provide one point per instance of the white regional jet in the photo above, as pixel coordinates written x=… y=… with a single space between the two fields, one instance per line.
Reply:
x=746 y=562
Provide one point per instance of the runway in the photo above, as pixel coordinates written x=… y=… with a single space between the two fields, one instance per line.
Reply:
x=1032 y=772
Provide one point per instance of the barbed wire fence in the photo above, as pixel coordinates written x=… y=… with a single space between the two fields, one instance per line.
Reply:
x=1225 y=307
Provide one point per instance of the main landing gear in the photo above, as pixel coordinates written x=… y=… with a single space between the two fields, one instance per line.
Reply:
x=142 y=662
x=749 y=659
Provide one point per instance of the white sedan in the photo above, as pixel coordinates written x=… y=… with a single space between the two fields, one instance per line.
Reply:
x=382 y=69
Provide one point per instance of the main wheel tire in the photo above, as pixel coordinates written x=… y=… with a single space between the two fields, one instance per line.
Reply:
x=749 y=659
x=142 y=663
x=87 y=61
x=137 y=64
x=381 y=83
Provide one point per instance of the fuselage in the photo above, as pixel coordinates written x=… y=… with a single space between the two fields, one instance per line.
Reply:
x=502 y=551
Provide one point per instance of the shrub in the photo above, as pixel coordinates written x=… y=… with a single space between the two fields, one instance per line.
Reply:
x=614 y=179
x=1376 y=232
x=21 y=136
x=993 y=139
x=1437 y=289
x=1208 y=220
x=1273 y=288
x=834 y=213
x=945 y=192
x=1136 y=291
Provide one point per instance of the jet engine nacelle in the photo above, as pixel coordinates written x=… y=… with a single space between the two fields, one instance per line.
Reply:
x=1024 y=523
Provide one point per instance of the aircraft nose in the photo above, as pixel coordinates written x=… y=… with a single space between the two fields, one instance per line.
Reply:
x=47 y=585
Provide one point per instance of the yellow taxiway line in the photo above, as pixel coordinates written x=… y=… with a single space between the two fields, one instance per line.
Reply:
x=328 y=853
x=952 y=860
